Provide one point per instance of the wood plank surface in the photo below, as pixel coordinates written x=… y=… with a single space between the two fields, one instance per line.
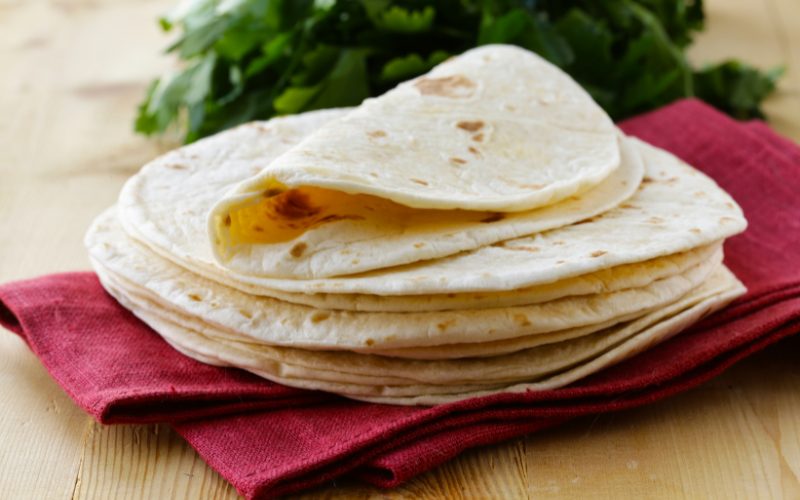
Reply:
x=73 y=72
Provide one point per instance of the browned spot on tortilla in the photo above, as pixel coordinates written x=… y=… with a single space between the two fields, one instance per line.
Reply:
x=700 y=193
x=298 y=249
x=377 y=133
x=258 y=229
x=369 y=342
x=627 y=205
x=287 y=141
x=522 y=320
x=458 y=160
x=477 y=137
x=722 y=220
x=373 y=174
x=245 y=314
x=294 y=205
x=216 y=240
x=320 y=316
x=558 y=243
x=455 y=86
x=178 y=167
x=390 y=337
x=695 y=230
x=493 y=218
x=560 y=261
x=491 y=330
x=451 y=295
x=510 y=107
x=598 y=253
x=475 y=152
x=336 y=218
x=419 y=245
x=195 y=298
x=624 y=183
x=448 y=235
x=576 y=198
x=486 y=275
x=419 y=182
x=447 y=324
x=499 y=244
x=228 y=220
x=344 y=252
x=647 y=180
x=470 y=126
x=729 y=205
x=269 y=193
x=654 y=220
x=525 y=249
x=584 y=221
x=356 y=261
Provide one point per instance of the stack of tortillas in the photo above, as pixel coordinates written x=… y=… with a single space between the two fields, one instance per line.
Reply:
x=484 y=228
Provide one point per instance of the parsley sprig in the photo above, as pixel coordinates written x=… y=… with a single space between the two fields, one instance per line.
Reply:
x=254 y=59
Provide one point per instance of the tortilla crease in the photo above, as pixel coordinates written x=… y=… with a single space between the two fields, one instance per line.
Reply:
x=281 y=323
x=412 y=381
x=675 y=209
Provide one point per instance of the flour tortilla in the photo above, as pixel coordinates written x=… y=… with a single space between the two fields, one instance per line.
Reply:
x=635 y=275
x=282 y=323
x=167 y=203
x=636 y=345
x=486 y=132
x=676 y=209
x=377 y=370
x=376 y=376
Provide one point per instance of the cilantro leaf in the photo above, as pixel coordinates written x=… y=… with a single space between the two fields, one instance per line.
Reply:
x=254 y=59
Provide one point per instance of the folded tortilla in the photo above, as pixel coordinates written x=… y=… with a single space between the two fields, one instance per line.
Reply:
x=497 y=129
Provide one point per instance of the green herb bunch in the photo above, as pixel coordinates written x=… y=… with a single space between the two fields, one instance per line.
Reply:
x=254 y=59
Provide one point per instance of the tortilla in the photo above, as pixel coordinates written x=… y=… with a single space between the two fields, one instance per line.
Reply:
x=469 y=139
x=299 y=368
x=635 y=275
x=648 y=338
x=281 y=323
x=167 y=203
x=676 y=209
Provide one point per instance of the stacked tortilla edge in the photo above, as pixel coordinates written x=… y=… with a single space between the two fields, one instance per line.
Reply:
x=421 y=349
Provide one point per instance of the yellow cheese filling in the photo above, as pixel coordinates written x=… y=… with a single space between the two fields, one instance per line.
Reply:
x=282 y=215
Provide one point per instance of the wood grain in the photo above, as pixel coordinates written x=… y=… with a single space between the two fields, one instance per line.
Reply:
x=144 y=462
x=73 y=72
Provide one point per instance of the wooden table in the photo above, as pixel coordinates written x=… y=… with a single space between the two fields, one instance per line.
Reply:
x=71 y=74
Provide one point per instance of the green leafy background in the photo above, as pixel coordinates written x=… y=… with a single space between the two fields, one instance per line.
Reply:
x=244 y=60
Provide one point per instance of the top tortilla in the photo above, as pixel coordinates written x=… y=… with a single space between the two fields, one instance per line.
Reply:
x=497 y=129
x=167 y=203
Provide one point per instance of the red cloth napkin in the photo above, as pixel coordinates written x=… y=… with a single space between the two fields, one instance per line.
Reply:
x=268 y=440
